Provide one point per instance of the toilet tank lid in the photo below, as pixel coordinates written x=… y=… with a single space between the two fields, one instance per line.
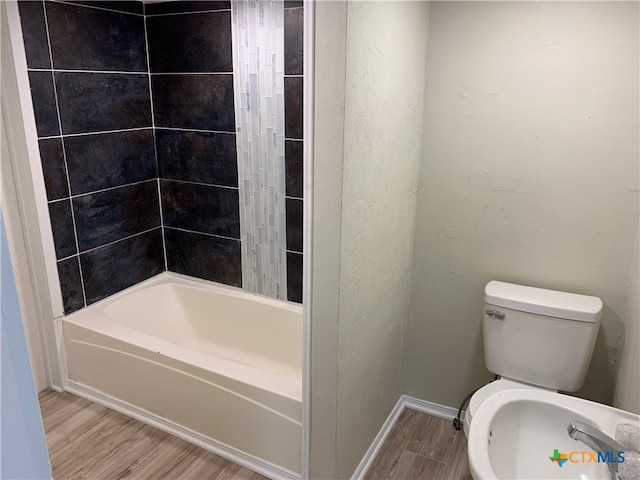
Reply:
x=552 y=303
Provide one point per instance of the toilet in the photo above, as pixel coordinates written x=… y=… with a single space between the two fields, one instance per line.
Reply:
x=535 y=339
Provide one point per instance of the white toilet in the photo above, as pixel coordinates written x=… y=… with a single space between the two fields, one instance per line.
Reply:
x=535 y=338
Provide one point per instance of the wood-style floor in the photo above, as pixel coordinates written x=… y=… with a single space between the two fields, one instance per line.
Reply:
x=421 y=446
x=88 y=441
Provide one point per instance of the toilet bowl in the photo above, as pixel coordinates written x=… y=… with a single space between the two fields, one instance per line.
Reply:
x=485 y=392
x=536 y=340
x=522 y=434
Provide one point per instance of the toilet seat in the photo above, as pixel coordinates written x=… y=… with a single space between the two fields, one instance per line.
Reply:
x=485 y=392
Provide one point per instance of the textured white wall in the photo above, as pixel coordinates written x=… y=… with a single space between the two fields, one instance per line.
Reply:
x=627 y=392
x=385 y=73
x=529 y=175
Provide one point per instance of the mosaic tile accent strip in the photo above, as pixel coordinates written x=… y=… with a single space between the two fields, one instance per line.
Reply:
x=258 y=59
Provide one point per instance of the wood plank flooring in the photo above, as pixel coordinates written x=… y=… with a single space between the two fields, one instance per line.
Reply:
x=88 y=441
x=419 y=447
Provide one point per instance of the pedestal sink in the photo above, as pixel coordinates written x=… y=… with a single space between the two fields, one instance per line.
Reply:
x=519 y=434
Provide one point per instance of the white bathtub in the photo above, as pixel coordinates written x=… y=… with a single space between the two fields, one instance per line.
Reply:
x=211 y=359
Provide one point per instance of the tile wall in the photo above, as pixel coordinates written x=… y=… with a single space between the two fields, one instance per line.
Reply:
x=139 y=153
x=293 y=43
x=190 y=59
x=89 y=82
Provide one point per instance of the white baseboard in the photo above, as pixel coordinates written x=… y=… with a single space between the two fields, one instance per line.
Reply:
x=382 y=435
x=403 y=402
x=244 y=459
x=441 y=411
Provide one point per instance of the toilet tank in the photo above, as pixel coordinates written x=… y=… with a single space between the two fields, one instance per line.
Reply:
x=538 y=336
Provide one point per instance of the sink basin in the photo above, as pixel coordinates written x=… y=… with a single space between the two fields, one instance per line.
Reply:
x=516 y=433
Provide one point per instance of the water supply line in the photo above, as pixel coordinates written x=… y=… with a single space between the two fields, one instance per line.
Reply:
x=457 y=423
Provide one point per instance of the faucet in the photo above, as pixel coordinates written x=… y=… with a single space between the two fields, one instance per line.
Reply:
x=596 y=440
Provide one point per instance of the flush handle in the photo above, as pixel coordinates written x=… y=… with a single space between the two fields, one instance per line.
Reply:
x=495 y=314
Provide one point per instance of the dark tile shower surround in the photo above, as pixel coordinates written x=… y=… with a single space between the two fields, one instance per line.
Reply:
x=52 y=158
x=119 y=158
x=140 y=162
x=193 y=101
x=203 y=35
x=96 y=39
x=293 y=95
x=44 y=103
x=99 y=102
x=201 y=157
x=194 y=114
x=92 y=103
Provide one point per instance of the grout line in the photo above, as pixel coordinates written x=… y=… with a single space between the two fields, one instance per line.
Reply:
x=294 y=139
x=64 y=155
x=49 y=137
x=293 y=75
x=101 y=132
x=191 y=73
x=58 y=200
x=188 y=182
x=295 y=251
x=79 y=70
x=152 y=15
x=84 y=294
x=202 y=233
x=71 y=197
x=164 y=243
x=99 y=8
x=148 y=72
x=155 y=144
x=289 y=197
x=119 y=240
x=196 y=130
x=66 y=258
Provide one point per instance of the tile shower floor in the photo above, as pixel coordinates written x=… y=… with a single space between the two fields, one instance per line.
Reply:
x=89 y=441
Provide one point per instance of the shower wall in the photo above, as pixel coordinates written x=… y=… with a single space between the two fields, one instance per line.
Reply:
x=91 y=97
x=293 y=75
x=192 y=84
x=136 y=132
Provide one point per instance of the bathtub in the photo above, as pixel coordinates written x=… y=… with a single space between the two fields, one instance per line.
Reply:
x=202 y=358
